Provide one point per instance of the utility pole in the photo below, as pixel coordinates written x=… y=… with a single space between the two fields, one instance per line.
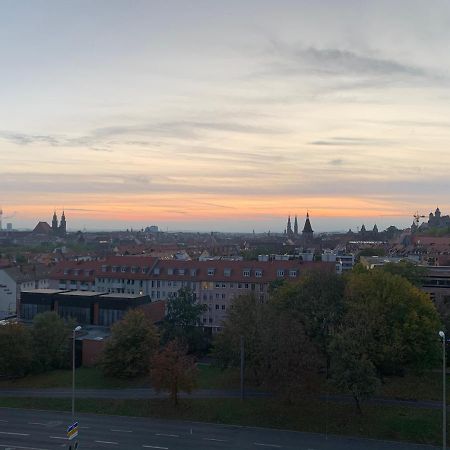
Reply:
x=242 y=367
x=444 y=393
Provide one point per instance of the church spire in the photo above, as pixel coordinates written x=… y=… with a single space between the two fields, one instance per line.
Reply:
x=296 y=226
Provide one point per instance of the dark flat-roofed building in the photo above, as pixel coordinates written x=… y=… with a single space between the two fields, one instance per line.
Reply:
x=87 y=308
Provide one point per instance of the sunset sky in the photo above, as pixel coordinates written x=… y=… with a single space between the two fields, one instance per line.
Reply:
x=212 y=115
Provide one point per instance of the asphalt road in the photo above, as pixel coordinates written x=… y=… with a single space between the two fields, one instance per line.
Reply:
x=128 y=393
x=46 y=430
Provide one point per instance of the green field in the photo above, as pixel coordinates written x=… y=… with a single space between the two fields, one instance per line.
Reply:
x=378 y=422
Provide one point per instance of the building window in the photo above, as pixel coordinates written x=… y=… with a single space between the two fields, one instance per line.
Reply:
x=280 y=273
x=292 y=273
x=223 y=306
x=170 y=271
x=180 y=271
x=246 y=272
x=193 y=272
x=211 y=272
x=227 y=272
x=258 y=273
x=217 y=306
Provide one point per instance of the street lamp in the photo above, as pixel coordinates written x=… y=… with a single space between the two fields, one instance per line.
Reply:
x=78 y=328
x=444 y=399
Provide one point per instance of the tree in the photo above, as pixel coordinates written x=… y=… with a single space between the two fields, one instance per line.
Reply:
x=317 y=301
x=353 y=371
x=173 y=370
x=128 y=351
x=400 y=322
x=412 y=272
x=15 y=350
x=50 y=342
x=389 y=326
x=182 y=321
x=244 y=318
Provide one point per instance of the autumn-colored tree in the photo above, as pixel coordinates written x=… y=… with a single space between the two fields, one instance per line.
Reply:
x=133 y=341
x=173 y=370
x=15 y=350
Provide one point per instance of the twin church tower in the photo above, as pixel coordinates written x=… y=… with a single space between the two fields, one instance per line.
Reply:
x=307 y=234
x=61 y=229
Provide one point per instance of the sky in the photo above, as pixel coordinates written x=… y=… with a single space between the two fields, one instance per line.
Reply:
x=226 y=116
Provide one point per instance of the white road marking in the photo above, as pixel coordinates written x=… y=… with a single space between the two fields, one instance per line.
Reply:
x=267 y=445
x=37 y=423
x=86 y=428
x=214 y=439
x=14 y=434
x=3 y=421
x=121 y=431
x=154 y=446
x=24 y=448
x=166 y=435
x=107 y=442
x=59 y=437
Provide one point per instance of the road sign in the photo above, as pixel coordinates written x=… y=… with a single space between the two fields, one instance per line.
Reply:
x=72 y=431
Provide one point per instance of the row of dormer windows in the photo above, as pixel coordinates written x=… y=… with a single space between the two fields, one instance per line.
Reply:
x=258 y=273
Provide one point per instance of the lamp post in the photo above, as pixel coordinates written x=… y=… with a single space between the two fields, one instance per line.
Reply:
x=444 y=396
x=78 y=328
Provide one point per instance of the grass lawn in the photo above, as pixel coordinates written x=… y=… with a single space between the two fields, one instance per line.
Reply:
x=411 y=387
x=92 y=378
x=85 y=378
x=378 y=422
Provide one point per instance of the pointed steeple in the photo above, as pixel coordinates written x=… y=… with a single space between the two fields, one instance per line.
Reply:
x=55 y=223
x=296 y=226
x=289 y=226
x=307 y=233
x=63 y=225
x=307 y=228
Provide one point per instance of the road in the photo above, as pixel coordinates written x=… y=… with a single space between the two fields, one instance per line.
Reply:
x=46 y=430
x=139 y=393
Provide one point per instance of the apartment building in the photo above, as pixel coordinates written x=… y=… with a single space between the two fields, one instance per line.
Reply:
x=13 y=280
x=215 y=283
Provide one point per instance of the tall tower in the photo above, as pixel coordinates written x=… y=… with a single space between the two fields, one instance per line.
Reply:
x=307 y=233
x=1 y=217
x=289 y=227
x=63 y=225
x=296 y=226
x=55 y=223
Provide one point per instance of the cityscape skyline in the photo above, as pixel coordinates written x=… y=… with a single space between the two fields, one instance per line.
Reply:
x=224 y=116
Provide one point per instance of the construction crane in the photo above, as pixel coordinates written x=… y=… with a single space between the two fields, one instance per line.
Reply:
x=417 y=217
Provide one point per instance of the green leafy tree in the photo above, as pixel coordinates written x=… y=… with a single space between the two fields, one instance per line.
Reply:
x=182 y=321
x=15 y=350
x=399 y=320
x=316 y=301
x=173 y=370
x=128 y=351
x=50 y=342
x=353 y=371
x=406 y=269
x=244 y=319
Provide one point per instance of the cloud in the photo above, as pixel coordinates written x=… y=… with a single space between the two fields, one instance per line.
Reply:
x=346 y=141
x=337 y=162
x=290 y=59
